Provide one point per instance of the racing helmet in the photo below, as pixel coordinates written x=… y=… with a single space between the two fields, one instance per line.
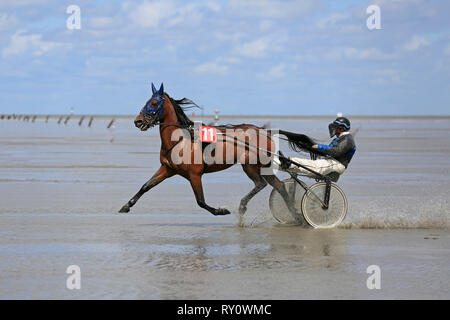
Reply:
x=340 y=122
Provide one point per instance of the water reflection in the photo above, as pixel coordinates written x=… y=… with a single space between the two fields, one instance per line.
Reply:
x=233 y=248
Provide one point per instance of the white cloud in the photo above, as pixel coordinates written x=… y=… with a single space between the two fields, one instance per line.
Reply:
x=341 y=23
x=21 y=43
x=229 y=36
x=332 y=20
x=386 y=76
x=169 y=12
x=277 y=72
x=229 y=60
x=415 y=43
x=261 y=47
x=191 y=13
x=213 y=5
x=150 y=14
x=358 y=54
x=6 y=4
x=271 y=9
x=211 y=68
x=265 y=25
x=7 y=21
x=308 y=57
x=447 y=50
x=102 y=22
x=254 y=49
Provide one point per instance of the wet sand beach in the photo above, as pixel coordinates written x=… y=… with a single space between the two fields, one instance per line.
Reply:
x=61 y=187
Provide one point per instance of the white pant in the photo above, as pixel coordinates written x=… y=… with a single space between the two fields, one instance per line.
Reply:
x=322 y=166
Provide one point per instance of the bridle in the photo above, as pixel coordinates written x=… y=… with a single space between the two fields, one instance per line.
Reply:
x=153 y=114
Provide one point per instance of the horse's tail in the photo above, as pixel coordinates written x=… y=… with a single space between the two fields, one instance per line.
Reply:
x=299 y=142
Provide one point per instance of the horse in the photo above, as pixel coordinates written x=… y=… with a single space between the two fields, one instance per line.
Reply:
x=169 y=114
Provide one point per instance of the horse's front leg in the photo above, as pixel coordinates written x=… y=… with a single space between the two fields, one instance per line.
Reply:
x=196 y=184
x=159 y=176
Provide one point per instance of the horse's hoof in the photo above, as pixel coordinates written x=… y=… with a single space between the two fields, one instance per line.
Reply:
x=125 y=209
x=222 y=212
x=242 y=209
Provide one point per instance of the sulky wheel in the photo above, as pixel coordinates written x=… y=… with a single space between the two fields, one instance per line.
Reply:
x=316 y=215
x=278 y=206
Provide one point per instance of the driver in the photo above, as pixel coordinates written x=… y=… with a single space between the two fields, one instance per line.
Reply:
x=337 y=154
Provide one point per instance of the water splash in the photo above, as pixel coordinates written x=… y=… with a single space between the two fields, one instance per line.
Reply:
x=434 y=213
x=374 y=214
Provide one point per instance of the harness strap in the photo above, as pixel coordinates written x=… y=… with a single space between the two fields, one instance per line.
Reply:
x=166 y=152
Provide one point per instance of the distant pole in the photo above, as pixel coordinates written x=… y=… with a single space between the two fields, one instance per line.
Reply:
x=110 y=123
x=90 y=121
x=60 y=119
x=216 y=117
x=46 y=119
x=34 y=118
x=81 y=121
x=67 y=120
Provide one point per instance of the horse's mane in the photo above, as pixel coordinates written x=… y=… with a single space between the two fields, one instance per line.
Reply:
x=180 y=106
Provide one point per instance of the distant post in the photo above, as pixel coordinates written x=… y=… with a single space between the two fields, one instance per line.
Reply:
x=110 y=123
x=216 y=117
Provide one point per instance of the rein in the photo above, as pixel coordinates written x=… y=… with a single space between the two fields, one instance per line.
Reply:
x=235 y=139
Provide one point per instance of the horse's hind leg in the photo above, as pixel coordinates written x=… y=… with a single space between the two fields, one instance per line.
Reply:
x=279 y=186
x=159 y=176
x=196 y=184
x=252 y=172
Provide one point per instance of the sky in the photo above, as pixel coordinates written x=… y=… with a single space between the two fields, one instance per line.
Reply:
x=251 y=57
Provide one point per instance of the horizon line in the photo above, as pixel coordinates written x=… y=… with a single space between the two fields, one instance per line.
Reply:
x=236 y=115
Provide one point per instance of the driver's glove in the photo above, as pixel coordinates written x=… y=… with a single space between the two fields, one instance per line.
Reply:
x=285 y=163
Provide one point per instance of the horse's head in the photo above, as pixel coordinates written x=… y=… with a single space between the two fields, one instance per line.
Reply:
x=152 y=113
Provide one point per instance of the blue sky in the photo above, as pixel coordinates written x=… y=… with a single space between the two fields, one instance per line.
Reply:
x=292 y=57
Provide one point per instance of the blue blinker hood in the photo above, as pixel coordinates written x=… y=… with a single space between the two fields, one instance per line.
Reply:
x=155 y=111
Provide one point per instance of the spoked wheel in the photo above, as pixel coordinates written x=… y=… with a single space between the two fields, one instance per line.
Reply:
x=279 y=208
x=316 y=215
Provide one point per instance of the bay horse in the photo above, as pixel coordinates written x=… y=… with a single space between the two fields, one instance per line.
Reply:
x=169 y=114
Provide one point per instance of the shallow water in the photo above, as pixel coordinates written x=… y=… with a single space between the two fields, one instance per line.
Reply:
x=61 y=186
